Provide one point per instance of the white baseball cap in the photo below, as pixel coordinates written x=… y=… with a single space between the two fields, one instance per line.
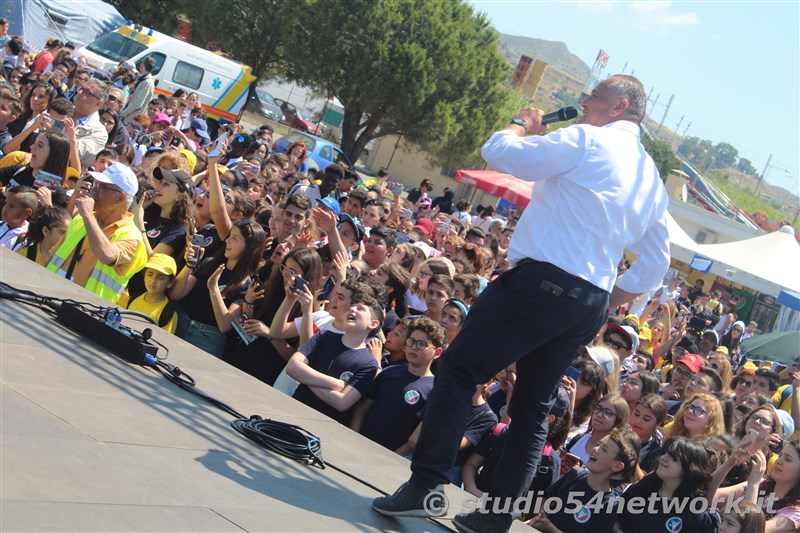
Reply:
x=121 y=176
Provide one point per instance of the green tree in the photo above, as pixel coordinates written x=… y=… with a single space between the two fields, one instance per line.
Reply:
x=162 y=15
x=662 y=154
x=746 y=166
x=425 y=69
x=249 y=31
x=725 y=155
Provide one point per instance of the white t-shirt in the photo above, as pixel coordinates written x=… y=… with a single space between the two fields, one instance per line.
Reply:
x=10 y=238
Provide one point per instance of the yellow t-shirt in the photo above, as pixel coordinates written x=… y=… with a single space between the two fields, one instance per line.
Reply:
x=154 y=310
x=39 y=257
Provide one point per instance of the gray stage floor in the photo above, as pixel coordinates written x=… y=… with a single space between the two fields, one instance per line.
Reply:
x=89 y=442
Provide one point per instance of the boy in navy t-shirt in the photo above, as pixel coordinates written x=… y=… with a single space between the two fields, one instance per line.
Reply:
x=335 y=371
x=388 y=414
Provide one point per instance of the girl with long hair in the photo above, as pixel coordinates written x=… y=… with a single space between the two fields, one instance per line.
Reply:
x=47 y=227
x=636 y=385
x=683 y=471
x=589 y=388
x=210 y=309
x=415 y=296
x=49 y=154
x=34 y=104
x=732 y=340
x=610 y=413
x=698 y=418
x=396 y=280
x=265 y=358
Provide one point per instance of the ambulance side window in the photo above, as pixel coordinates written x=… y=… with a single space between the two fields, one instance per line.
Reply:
x=159 y=59
x=188 y=75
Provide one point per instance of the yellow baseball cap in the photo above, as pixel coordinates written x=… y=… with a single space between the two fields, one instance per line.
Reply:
x=190 y=158
x=162 y=263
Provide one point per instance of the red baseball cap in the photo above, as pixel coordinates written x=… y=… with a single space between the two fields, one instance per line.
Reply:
x=425 y=226
x=693 y=361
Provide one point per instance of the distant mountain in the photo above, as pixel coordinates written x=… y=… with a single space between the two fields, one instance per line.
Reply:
x=555 y=54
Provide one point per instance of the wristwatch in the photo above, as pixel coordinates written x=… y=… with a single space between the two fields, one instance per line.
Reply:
x=519 y=121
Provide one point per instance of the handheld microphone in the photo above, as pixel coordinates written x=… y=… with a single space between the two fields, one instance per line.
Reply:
x=565 y=113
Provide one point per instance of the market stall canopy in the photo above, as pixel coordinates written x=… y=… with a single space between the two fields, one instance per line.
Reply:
x=506 y=186
x=782 y=347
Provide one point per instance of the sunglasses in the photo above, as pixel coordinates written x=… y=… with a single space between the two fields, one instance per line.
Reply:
x=616 y=345
x=417 y=344
x=112 y=98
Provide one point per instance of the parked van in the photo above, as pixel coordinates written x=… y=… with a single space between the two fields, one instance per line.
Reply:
x=222 y=84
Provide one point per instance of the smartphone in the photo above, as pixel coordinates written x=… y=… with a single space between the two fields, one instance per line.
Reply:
x=326 y=289
x=198 y=240
x=573 y=373
x=249 y=168
x=216 y=149
x=238 y=325
x=406 y=213
x=299 y=283
x=176 y=141
x=401 y=237
x=255 y=280
x=58 y=126
x=777 y=447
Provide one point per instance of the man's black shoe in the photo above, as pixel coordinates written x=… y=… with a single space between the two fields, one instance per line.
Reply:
x=480 y=522
x=410 y=500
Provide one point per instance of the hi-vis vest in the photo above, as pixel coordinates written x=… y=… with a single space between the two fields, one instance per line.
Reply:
x=104 y=280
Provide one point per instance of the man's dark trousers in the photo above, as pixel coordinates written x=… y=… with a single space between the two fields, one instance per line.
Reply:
x=535 y=314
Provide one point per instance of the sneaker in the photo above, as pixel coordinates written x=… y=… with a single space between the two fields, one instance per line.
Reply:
x=480 y=522
x=410 y=500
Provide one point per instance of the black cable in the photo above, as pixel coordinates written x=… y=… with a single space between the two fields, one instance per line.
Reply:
x=284 y=439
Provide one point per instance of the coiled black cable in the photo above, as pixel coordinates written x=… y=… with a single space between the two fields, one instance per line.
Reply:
x=285 y=439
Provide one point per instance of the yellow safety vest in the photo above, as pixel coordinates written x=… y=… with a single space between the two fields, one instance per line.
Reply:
x=104 y=280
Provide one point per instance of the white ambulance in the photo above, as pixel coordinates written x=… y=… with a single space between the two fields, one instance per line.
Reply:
x=223 y=84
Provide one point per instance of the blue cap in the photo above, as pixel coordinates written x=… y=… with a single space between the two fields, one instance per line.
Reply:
x=358 y=227
x=330 y=203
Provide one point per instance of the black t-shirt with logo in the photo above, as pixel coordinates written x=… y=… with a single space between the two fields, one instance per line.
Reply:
x=398 y=395
x=160 y=230
x=326 y=353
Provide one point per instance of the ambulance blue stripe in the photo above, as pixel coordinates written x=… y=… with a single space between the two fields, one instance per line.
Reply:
x=241 y=73
x=243 y=96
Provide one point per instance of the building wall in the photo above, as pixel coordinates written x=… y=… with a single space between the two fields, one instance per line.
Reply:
x=409 y=165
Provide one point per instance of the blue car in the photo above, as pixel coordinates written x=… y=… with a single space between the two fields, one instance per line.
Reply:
x=320 y=152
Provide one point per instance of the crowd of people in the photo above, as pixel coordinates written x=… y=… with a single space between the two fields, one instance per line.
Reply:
x=344 y=293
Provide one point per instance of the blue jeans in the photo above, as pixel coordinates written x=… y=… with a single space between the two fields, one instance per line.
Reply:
x=517 y=318
x=203 y=336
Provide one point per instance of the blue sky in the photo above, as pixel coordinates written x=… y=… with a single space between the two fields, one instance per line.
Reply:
x=732 y=66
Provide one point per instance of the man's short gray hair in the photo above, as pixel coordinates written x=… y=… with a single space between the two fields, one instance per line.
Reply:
x=101 y=89
x=630 y=88
x=129 y=201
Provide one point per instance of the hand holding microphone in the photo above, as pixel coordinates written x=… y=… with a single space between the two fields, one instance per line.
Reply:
x=535 y=121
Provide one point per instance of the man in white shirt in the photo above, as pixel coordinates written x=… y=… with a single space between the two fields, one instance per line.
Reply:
x=91 y=133
x=597 y=194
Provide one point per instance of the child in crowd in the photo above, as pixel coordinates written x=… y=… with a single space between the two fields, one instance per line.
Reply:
x=159 y=275
x=440 y=289
x=20 y=202
x=388 y=414
x=336 y=371
x=394 y=349
x=614 y=455
x=452 y=318
x=46 y=229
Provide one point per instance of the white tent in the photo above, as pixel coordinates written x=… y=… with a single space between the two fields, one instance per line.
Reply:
x=79 y=21
x=767 y=263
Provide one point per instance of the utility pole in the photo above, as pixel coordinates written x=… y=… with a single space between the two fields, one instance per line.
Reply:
x=674 y=133
x=623 y=68
x=655 y=103
x=669 y=104
x=648 y=96
x=763 y=175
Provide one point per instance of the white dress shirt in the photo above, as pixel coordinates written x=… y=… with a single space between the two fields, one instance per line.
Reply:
x=597 y=192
